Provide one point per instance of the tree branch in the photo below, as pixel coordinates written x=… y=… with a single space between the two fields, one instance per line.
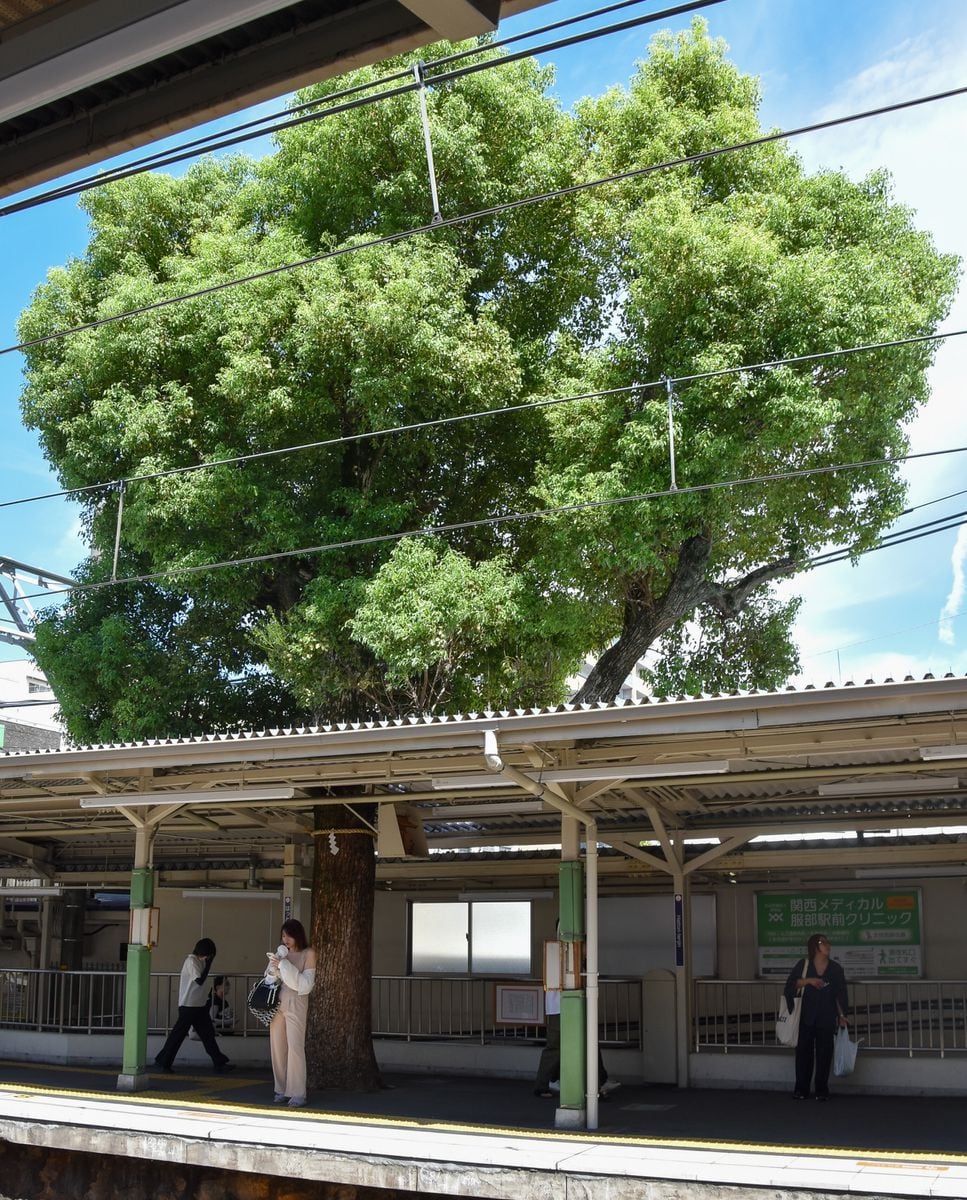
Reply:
x=729 y=599
x=647 y=618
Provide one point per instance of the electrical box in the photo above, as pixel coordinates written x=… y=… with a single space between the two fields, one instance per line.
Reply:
x=563 y=966
x=144 y=926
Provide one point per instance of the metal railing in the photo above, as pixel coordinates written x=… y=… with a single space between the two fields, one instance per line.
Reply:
x=901 y=1016
x=404 y=1006
x=62 y=1001
x=445 y=1008
x=93 y=1001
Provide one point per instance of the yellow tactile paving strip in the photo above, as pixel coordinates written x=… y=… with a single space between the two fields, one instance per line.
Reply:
x=201 y=1101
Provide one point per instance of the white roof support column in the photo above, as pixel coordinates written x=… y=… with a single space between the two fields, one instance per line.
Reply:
x=292 y=882
x=553 y=795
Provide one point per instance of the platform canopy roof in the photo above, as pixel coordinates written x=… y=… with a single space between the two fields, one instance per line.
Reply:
x=690 y=781
x=81 y=80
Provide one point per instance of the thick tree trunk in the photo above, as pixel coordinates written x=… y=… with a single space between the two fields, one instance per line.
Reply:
x=647 y=617
x=340 y=1042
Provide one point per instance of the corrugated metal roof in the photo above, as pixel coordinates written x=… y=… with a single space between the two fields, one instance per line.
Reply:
x=718 y=767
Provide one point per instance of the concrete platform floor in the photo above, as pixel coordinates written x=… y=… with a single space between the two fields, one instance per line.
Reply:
x=904 y=1126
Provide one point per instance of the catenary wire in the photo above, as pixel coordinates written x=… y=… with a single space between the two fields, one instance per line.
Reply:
x=927 y=503
x=518 y=203
x=954 y=521
x=883 y=636
x=480 y=214
x=886 y=542
x=501 y=519
x=437 y=422
x=204 y=145
x=225 y=137
x=299 y=116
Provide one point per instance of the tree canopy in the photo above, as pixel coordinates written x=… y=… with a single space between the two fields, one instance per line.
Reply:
x=738 y=258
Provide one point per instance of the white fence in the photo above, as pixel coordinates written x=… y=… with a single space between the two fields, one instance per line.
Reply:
x=909 y=1017
x=443 y=1008
x=404 y=1007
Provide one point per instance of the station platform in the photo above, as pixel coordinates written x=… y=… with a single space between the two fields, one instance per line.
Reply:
x=470 y=1136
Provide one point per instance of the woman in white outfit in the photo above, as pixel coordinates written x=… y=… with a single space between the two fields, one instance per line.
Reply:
x=287 y=1032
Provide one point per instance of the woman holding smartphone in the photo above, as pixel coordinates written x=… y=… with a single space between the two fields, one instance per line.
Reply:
x=287 y=1031
x=822 y=983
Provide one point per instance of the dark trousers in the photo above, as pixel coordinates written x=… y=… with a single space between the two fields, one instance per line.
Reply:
x=550 y=1065
x=200 y=1020
x=814 y=1048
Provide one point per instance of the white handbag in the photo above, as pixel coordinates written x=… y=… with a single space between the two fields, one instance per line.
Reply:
x=787 y=1023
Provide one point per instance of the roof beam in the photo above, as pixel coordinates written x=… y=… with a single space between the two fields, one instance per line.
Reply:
x=316 y=46
x=35 y=856
x=456 y=19
x=714 y=852
x=826 y=857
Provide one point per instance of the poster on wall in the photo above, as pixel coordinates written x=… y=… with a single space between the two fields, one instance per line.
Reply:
x=875 y=934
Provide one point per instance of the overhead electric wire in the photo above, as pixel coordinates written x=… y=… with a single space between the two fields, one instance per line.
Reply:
x=299 y=116
x=494 y=210
x=226 y=137
x=529 y=406
x=501 y=519
x=590 y=15
x=927 y=503
x=480 y=214
x=887 y=538
x=897 y=538
x=890 y=633
x=192 y=149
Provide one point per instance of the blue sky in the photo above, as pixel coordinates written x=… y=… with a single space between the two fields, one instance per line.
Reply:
x=815 y=59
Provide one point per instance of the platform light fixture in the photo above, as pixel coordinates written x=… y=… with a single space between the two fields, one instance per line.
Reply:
x=31 y=893
x=228 y=894
x=508 y=808
x=589 y=774
x=171 y=799
x=889 y=787
x=934 y=753
x=934 y=870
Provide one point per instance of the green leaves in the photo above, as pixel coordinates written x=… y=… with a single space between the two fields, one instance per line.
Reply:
x=736 y=259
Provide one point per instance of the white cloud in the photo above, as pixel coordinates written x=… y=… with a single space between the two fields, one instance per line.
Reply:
x=955 y=597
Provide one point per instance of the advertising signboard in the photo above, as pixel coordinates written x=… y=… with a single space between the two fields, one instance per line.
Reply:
x=875 y=934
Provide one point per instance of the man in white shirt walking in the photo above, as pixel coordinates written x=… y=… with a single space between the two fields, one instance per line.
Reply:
x=193 y=1010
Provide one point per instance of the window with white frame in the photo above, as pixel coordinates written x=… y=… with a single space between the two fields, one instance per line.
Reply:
x=462 y=937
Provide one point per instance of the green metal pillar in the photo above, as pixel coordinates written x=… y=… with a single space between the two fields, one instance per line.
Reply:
x=137 y=984
x=573 y=1011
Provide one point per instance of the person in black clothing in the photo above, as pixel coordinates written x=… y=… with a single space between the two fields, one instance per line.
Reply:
x=822 y=982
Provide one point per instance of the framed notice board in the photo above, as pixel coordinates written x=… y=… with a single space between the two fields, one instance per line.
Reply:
x=518 y=1004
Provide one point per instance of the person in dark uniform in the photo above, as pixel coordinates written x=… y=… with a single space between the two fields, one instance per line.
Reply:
x=822 y=982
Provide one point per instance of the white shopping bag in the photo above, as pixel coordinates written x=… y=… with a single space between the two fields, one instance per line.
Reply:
x=844 y=1053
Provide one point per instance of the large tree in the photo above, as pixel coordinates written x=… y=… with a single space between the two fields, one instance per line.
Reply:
x=730 y=260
